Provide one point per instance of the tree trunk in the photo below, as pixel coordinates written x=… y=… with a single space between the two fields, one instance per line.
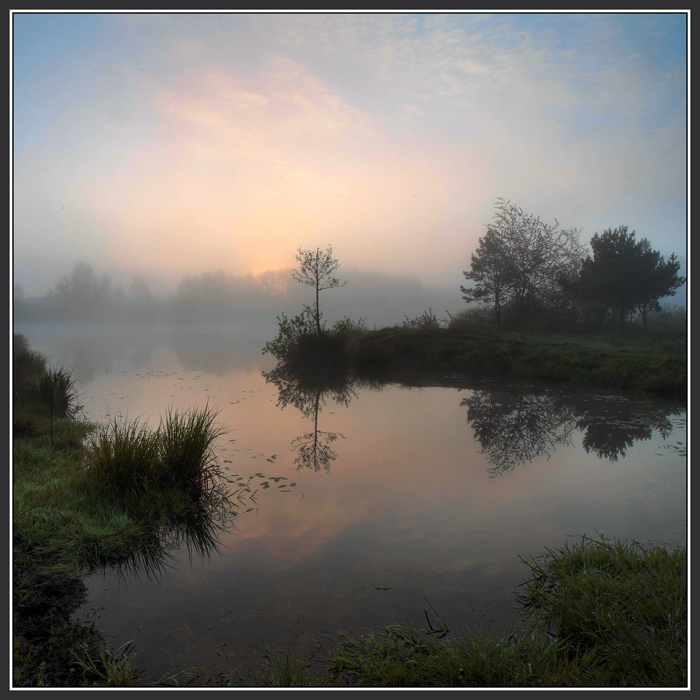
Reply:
x=318 y=314
x=623 y=318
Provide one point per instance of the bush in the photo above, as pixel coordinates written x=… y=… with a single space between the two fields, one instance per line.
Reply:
x=347 y=327
x=298 y=344
x=426 y=320
x=292 y=331
x=475 y=318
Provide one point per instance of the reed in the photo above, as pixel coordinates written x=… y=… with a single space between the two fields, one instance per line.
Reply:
x=186 y=450
x=122 y=457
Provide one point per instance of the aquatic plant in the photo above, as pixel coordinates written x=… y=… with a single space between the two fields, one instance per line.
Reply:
x=122 y=457
x=186 y=450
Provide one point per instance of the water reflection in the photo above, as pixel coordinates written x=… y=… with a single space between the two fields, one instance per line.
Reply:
x=518 y=424
x=514 y=424
x=308 y=393
x=610 y=427
x=515 y=427
x=197 y=532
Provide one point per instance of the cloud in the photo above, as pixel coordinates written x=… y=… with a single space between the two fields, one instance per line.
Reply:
x=200 y=141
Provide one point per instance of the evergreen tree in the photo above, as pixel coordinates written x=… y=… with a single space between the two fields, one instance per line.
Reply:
x=625 y=276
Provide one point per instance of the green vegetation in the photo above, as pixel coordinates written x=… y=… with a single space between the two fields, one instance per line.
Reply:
x=598 y=613
x=299 y=346
x=88 y=497
x=600 y=362
x=526 y=274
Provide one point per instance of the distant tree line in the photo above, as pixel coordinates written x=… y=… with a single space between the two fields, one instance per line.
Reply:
x=526 y=273
x=86 y=295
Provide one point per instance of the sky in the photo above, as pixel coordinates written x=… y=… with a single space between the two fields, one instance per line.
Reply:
x=165 y=145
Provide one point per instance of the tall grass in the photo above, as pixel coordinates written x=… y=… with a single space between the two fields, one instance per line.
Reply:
x=42 y=392
x=621 y=601
x=122 y=457
x=131 y=459
x=87 y=498
x=186 y=450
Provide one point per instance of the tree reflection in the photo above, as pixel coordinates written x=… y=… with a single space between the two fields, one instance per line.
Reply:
x=518 y=424
x=514 y=427
x=308 y=393
x=611 y=427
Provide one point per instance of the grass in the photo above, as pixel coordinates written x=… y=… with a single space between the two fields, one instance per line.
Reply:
x=633 y=366
x=595 y=614
x=86 y=497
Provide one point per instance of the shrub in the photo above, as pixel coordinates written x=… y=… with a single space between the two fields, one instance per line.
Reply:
x=426 y=320
x=298 y=344
x=285 y=347
x=476 y=318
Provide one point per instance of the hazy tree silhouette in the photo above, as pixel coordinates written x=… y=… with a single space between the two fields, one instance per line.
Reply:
x=625 y=275
x=521 y=264
x=316 y=268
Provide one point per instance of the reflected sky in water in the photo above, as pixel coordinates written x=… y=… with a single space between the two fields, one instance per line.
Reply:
x=432 y=493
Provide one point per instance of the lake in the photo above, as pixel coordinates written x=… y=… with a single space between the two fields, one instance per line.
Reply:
x=369 y=504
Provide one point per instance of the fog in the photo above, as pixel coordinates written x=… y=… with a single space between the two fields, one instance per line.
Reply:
x=162 y=144
x=87 y=295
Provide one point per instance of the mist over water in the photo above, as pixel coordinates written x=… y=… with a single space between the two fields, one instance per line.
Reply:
x=87 y=295
x=369 y=500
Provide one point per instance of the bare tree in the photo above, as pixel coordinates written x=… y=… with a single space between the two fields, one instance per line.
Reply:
x=521 y=262
x=316 y=270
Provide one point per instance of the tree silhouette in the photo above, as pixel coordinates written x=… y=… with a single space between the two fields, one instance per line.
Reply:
x=521 y=263
x=316 y=270
x=625 y=275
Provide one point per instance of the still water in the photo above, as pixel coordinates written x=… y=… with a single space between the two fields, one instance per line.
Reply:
x=368 y=504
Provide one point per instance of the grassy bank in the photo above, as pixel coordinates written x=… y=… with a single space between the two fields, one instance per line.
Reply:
x=87 y=497
x=595 y=614
x=599 y=362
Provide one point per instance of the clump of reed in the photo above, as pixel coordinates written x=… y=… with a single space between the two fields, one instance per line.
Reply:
x=122 y=457
x=187 y=457
x=134 y=460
